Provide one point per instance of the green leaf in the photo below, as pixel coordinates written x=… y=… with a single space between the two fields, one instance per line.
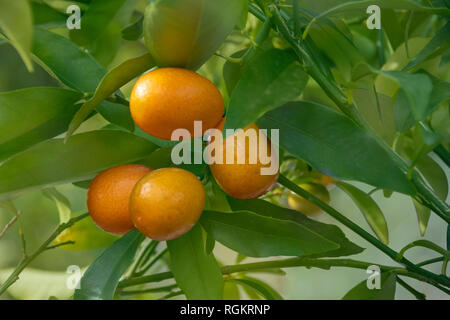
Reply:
x=448 y=237
x=47 y=17
x=327 y=231
x=186 y=33
x=404 y=118
x=86 y=235
x=195 y=272
x=31 y=115
x=423 y=216
x=36 y=284
x=270 y=80
x=415 y=90
x=16 y=21
x=110 y=83
x=96 y=19
x=386 y=291
x=62 y=204
x=260 y=236
x=369 y=208
x=333 y=144
x=55 y=162
x=100 y=280
x=76 y=69
x=435 y=176
x=436 y=42
x=260 y=287
x=134 y=30
x=231 y=291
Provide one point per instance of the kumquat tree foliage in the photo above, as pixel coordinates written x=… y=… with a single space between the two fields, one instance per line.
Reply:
x=224 y=149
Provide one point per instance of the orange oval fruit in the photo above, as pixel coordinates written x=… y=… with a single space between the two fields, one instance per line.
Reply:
x=108 y=197
x=243 y=179
x=166 y=99
x=304 y=206
x=166 y=203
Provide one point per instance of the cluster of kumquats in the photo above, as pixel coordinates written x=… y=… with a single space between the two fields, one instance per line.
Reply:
x=164 y=204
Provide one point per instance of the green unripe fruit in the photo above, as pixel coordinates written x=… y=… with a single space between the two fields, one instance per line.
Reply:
x=186 y=33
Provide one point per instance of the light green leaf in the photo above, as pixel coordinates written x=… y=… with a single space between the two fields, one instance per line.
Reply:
x=369 y=208
x=16 y=21
x=110 y=83
x=324 y=231
x=270 y=80
x=423 y=216
x=100 y=280
x=386 y=291
x=195 y=272
x=62 y=204
x=55 y=162
x=76 y=69
x=259 y=286
x=333 y=144
x=31 y=115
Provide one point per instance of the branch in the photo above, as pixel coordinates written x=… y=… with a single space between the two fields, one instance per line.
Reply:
x=44 y=247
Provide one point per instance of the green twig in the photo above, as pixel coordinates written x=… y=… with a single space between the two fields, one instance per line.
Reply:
x=44 y=247
x=361 y=232
x=430 y=261
x=151 y=263
x=150 y=290
x=415 y=293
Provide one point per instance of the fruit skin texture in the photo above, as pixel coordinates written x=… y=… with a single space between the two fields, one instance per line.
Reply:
x=302 y=205
x=244 y=181
x=109 y=197
x=166 y=99
x=166 y=203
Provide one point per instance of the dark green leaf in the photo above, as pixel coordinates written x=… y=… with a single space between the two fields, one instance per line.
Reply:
x=134 y=30
x=260 y=236
x=438 y=40
x=16 y=21
x=100 y=280
x=196 y=272
x=369 y=208
x=270 y=80
x=328 y=231
x=55 y=162
x=335 y=145
x=260 y=287
x=110 y=83
x=31 y=115
x=386 y=291
x=76 y=69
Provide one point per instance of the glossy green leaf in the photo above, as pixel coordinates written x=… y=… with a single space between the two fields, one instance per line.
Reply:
x=333 y=144
x=47 y=17
x=31 y=115
x=386 y=291
x=100 y=280
x=61 y=202
x=423 y=216
x=76 y=69
x=231 y=291
x=415 y=91
x=270 y=80
x=55 y=162
x=370 y=209
x=195 y=272
x=16 y=21
x=110 y=83
x=86 y=235
x=186 y=33
x=327 y=231
x=134 y=30
x=96 y=19
x=436 y=42
x=260 y=236
x=404 y=118
x=259 y=286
